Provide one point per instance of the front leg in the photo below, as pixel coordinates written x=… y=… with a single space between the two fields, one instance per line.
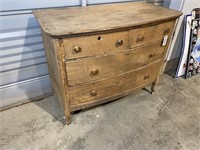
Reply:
x=67 y=111
x=153 y=87
x=68 y=117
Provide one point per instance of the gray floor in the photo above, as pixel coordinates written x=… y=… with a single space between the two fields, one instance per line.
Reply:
x=167 y=120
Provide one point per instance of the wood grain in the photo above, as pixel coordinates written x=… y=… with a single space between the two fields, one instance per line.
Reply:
x=50 y=50
x=108 y=99
x=111 y=65
x=99 y=44
x=150 y=34
x=80 y=94
x=79 y=20
x=63 y=78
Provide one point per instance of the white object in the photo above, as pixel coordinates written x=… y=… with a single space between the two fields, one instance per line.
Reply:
x=165 y=40
x=186 y=42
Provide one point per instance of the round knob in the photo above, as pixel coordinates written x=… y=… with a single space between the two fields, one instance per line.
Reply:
x=119 y=42
x=126 y=53
x=93 y=93
x=77 y=49
x=94 y=71
x=146 y=76
x=152 y=55
x=140 y=38
x=166 y=31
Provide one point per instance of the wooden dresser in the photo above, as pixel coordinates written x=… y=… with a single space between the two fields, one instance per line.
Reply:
x=96 y=54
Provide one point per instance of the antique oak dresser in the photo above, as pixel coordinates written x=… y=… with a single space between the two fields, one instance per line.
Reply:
x=96 y=54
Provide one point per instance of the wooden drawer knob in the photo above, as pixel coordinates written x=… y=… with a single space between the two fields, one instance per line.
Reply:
x=119 y=43
x=146 y=76
x=166 y=31
x=93 y=93
x=94 y=72
x=140 y=38
x=152 y=55
x=77 y=49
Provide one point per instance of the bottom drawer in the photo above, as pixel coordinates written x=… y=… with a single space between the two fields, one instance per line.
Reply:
x=80 y=94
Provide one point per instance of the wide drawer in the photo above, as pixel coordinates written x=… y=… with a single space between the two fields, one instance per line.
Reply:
x=80 y=94
x=146 y=35
x=97 y=68
x=93 y=45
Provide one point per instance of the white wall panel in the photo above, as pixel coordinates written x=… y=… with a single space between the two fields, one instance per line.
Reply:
x=22 y=74
x=90 y=2
x=25 y=90
x=10 y=5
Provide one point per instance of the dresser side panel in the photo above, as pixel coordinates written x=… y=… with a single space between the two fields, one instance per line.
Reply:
x=54 y=71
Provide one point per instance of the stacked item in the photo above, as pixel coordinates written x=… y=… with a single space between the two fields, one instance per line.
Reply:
x=189 y=63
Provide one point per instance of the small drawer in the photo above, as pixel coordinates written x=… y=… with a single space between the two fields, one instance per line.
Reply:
x=98 y=68
x=80 y=94
x=94 y=45
x=146 y=35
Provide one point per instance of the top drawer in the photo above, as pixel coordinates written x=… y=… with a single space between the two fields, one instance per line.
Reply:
x=102 y=44
x=146 y=35
x=84 y=46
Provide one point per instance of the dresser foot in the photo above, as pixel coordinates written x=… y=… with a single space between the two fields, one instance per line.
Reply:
x=153 y=87
x=68 y=120
x=68 y=116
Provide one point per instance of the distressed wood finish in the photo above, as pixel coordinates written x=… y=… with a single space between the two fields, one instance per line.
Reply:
x=99 y=44
x=116 y=64
x=76 y=20
x=99 y=53
x=116 y=85
x=142 y=36
x=54 y=70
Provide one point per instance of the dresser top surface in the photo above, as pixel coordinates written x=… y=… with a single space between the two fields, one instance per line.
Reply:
x=95 y=18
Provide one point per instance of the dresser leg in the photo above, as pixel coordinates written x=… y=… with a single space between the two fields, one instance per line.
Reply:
x=153 y=87
x=68 y=117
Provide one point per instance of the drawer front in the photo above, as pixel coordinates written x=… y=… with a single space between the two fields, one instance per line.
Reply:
x=84 y=46
x=142 y=36
x=80 y=94
x=97 y=68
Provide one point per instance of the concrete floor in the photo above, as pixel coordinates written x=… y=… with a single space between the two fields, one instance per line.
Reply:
x=167 y=120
